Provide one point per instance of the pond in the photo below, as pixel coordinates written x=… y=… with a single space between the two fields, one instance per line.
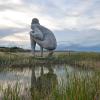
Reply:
x=25 y=76
x=41 y=78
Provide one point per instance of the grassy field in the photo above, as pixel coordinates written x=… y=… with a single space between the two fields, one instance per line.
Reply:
x=81 y=59
x=77 y=88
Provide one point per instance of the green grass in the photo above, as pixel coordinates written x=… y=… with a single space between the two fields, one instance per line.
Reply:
x=89 y=60
x=77 y=88
x=80 y=88
x=82 y=59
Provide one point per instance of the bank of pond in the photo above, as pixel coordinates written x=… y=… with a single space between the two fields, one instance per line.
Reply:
x=60 y=77
x=79 y=59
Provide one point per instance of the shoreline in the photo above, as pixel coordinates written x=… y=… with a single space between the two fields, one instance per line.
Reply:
x=83 y=60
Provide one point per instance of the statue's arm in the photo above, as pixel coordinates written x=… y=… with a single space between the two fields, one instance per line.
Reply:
x=33 y=43
x=37 y=33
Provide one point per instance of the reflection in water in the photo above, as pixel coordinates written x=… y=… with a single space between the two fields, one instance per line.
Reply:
x=25 y=75
x=44 y=84
x=42 y=79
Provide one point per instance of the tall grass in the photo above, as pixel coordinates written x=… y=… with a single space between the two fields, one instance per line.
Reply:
x=83 y=88
x=82 y=59
x=91 y=59
x=76 y=88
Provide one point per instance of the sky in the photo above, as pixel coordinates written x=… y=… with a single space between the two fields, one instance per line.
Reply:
x=73 y=21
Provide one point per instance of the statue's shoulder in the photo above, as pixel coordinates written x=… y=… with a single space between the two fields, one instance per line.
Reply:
x=45 y=29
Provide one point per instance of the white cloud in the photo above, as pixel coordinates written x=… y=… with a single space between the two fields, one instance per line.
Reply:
x=11 y=2
x=57 y=15
x=21 y=37
x=18 y=39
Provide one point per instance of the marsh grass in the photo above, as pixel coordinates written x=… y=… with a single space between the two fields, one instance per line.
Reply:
x=83 y=59
x=77 y=88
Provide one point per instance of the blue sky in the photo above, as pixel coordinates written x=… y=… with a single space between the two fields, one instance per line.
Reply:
x=74 y=21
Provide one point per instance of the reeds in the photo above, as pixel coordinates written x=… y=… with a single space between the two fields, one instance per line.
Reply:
x=89 y=60
x=76 y=88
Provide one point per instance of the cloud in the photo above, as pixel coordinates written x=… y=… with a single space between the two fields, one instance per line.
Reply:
x=17 y=39
x=10 y=31
x=84 y=37
x=77 y=21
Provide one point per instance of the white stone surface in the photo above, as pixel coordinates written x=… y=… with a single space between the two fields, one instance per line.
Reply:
x=42 y=36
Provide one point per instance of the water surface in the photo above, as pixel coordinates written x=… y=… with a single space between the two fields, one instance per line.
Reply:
x=29 y=76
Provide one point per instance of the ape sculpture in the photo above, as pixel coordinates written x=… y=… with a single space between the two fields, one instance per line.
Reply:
x=43 y=37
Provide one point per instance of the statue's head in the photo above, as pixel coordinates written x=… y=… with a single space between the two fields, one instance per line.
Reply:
x=35 y=21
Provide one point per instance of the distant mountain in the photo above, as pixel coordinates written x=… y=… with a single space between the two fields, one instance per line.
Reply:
x=66 y=46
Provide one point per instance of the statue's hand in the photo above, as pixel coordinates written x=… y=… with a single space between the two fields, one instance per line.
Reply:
x=37 y=34
x=32 y=33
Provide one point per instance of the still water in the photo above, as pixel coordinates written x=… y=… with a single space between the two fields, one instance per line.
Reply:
x=29 y=76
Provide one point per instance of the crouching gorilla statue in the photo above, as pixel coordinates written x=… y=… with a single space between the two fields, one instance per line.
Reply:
x=43 y=37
